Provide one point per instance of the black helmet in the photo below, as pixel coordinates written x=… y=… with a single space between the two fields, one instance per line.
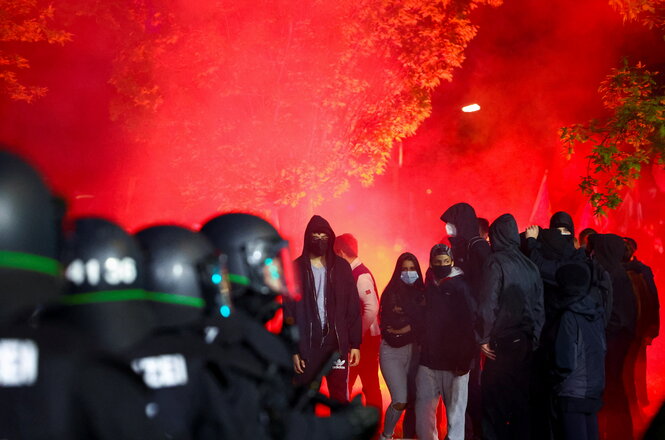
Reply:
x=100 y=257
x=184 y=275
x=257 y=257
x=105 y=296
x=29 y=270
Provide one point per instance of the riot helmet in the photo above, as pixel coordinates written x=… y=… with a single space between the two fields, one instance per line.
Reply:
x=104 y=270
x=258 y=261
x=29 y=229
x=184 y=275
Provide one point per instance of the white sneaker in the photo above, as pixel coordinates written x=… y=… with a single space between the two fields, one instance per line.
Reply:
x=384 y=437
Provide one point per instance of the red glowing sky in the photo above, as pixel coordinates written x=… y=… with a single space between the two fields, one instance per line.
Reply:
x=534 y=66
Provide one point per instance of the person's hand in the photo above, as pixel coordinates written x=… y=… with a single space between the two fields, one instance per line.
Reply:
x=298 y=364
x=532 y=231
x=487 y=351
x=354 y=357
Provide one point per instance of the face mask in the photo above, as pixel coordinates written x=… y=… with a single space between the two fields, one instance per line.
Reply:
x=409 y=277
x=318 y=247
x=451 y=230
x=441 y=272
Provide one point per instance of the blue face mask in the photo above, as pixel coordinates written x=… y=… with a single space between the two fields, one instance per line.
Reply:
x=409 y=277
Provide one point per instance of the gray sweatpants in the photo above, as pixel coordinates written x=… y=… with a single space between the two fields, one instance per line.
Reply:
x=394 y=364
x=432 y=384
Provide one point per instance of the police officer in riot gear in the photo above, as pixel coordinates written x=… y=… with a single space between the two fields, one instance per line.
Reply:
x=260 y=270
x=52 y=386
x=107 y=300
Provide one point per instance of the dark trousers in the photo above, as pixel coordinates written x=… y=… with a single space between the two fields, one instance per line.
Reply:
x=505 y=390
x=368 y=370
x=474 y=409
x=576 y=426
x=338 y=376
x=615 y=420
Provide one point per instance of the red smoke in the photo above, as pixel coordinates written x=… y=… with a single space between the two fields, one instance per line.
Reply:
x=533 y=67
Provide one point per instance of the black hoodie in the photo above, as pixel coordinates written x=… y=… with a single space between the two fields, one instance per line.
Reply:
x=511 y=296
x=609 y=250
x=342 y=302
x=578 y=367
x=469 y=249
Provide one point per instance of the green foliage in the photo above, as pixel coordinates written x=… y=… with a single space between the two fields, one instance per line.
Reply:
x=633 y=135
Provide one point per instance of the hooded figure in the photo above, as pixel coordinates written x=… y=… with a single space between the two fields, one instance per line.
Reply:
x=511 y=318
x=615 y=418
x=578 y=368
x=512 y=292
x=469 y=248
x=328 y=315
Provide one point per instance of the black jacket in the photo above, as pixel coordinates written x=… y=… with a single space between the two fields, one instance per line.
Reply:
x=469 y=250
x=342 y=302
x=609 y=250
x=578 y=367
x=648 y=325
x=447 y=336
x=400 y=305
x=512 y=290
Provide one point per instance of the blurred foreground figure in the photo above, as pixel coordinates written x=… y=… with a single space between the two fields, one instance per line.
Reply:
x=53 y=385
x=260 y=273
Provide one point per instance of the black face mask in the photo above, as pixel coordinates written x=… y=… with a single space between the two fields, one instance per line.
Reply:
x=441 y=272
x=318 y=247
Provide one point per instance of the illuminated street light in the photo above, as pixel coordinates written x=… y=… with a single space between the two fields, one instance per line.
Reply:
x=471 y=108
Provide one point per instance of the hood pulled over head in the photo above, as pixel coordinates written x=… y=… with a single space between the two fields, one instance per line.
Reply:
x=463 y=216
x=318 y=224
x=562 y=219
x=503 y=233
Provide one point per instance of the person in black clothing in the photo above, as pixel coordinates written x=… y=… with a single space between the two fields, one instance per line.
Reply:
x=448 y=347
x=470 y=250
x=53 y=383
x=615 y=418
x=550 y=249
x=398 y=314
x=105 y=299
x=260 y=271
x=646 y=329
x=584 y=237
x=328 y=316
x=578 y=356
x=511 y=318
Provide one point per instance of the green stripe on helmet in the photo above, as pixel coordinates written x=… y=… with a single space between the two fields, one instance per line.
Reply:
x=105 y=296
x=24 y=261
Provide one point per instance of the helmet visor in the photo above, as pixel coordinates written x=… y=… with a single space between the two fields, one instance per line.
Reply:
x=272 y=264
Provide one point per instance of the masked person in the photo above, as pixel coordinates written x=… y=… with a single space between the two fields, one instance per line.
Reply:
x=551 y=249
x=346 y=246
x=470 y=250
x=448 y=347
x=399 y=311
x=260 y=272
x=328 y=316
x=511 y=318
